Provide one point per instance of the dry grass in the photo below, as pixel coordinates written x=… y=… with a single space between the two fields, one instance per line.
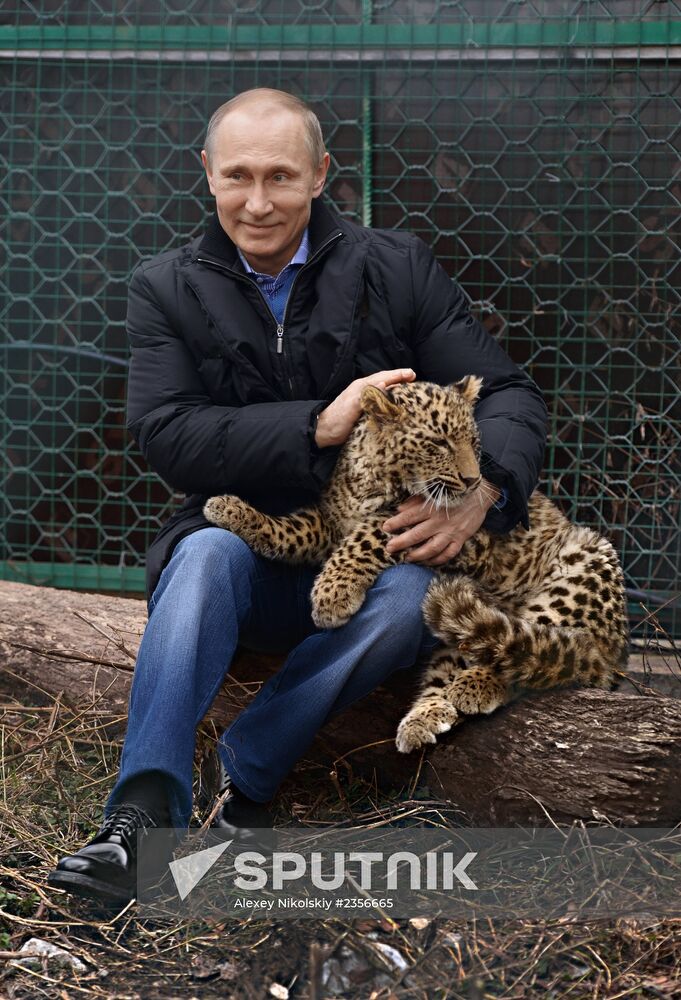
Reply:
x=58 y=765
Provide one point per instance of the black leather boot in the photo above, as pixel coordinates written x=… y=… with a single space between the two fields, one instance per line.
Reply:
x=239 y=814
x=239 y=817
x=106 y=868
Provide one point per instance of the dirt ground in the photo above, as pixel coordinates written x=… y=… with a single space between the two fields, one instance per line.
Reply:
x=57 y=769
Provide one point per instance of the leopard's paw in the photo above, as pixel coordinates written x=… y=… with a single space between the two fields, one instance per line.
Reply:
x=422 y=726
x=477 y=691
x=230 y=512
x=334 y=604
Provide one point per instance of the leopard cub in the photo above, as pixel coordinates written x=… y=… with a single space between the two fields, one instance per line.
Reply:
x=528 y=610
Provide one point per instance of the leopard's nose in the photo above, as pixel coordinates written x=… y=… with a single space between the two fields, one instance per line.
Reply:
x=469 y=480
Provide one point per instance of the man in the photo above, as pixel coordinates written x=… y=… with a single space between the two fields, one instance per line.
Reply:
x=250 y=350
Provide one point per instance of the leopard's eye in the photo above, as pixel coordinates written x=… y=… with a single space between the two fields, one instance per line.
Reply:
x=433 y=448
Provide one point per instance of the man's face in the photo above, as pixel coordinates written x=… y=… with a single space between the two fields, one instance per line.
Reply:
x=263 y=179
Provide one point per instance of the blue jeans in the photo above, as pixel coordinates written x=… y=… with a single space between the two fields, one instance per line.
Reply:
x=215 y=592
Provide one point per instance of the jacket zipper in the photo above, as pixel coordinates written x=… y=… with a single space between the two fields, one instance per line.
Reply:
x=279 y=326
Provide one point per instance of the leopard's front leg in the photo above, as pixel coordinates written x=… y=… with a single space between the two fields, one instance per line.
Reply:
x=300 y=537
x=340 y=589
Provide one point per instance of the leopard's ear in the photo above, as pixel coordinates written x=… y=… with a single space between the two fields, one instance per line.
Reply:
x=378 y=406
x=469 y=387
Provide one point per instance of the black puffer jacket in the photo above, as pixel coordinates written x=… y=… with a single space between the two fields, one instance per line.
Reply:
x=216 y=407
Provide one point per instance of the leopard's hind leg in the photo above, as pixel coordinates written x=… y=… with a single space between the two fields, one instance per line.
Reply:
x=488 y=656
x=514 y=651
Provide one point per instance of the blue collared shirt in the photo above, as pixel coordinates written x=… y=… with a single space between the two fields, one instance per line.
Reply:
x=276 y=289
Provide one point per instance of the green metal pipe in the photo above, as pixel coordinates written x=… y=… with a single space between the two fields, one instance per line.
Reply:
x=562 y=33
x=367 y=131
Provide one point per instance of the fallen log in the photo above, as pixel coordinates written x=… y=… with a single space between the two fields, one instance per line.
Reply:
x=566 y=754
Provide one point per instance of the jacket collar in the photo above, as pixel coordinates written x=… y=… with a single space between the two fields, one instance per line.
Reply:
x=323 y=224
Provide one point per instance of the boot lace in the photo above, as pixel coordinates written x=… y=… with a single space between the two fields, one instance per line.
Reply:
x=125 y=820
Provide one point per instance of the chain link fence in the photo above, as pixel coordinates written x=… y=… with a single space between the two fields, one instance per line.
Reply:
x=534 y=145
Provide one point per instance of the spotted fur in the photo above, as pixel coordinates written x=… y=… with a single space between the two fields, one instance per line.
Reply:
x=528 y=610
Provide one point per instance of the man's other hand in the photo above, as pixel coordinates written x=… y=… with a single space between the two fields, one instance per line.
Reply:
x=435 y=536
x=340 y=416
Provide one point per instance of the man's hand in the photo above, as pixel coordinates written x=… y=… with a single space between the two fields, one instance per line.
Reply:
x=340 y=416
x=434 y=536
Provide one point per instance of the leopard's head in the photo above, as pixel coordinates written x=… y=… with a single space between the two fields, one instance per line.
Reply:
x=425 y=436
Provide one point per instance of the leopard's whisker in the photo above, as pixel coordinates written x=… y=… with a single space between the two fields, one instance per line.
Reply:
x=484 y=491
x=422 y=485
x=433 y=490
x=482 y=496
x=437 y=495
x=425 y=492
